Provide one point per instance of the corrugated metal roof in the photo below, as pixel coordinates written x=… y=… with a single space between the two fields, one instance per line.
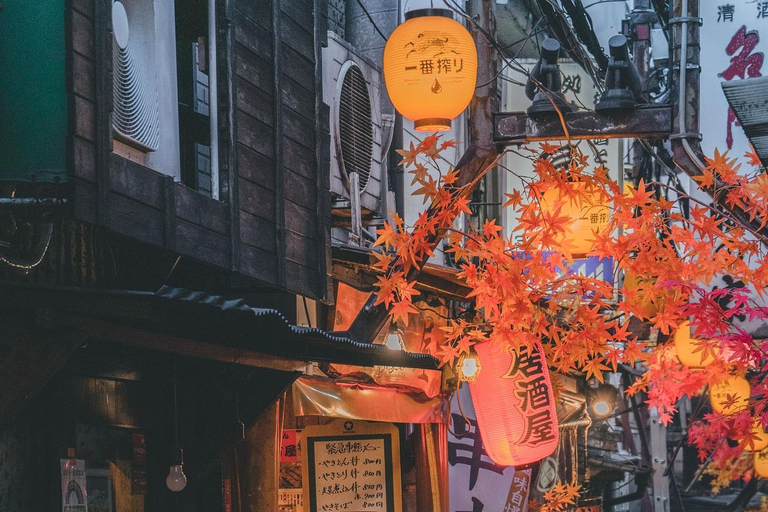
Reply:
x=749 y=100
x=291 y=340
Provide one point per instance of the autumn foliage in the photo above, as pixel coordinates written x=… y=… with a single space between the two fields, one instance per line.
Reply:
x=674 y=245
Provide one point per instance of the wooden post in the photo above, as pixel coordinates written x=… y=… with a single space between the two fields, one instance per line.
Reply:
x=259 y=461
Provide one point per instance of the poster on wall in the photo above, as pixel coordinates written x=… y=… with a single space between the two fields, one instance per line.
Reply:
x=735 y=48
x=476 y=483
x=74 y=494
x=351 y=465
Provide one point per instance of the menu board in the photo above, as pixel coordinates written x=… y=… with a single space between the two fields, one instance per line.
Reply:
x=352 y=466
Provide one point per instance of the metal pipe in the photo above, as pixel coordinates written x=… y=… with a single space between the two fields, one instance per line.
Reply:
x=213 y=97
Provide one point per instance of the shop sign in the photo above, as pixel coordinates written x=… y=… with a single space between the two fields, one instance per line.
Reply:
x=351 y=465
x=476 y=483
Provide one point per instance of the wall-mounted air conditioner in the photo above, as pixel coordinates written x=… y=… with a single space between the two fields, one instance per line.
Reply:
x=352 y=88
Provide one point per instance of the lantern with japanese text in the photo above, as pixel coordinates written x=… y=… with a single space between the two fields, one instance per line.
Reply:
x=588 y=214
x=430 y=68
x=759 y=440
x=514 y=404
x=730 y=396
x=760 y=463
x=690 y=351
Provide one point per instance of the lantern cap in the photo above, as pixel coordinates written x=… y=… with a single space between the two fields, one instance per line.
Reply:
x=420 y=13
x=432 y=124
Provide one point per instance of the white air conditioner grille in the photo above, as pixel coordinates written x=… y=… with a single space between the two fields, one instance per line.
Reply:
x=355 y=125
x=135 y=111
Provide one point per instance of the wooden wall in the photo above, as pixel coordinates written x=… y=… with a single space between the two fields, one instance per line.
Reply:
x=274 y=221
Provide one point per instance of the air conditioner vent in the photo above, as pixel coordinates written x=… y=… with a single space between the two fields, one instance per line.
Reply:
x=135 y=114
x=355 y=125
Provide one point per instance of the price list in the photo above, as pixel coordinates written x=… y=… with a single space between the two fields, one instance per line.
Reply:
x=353 y=473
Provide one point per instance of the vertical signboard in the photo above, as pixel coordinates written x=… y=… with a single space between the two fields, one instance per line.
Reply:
x=351 y=465
x=476 y=483
x=732 y=48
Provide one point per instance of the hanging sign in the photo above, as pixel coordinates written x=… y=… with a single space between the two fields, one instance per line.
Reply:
x=351 y=465
x=475 y=481
x=430 y=68
x=515 y=405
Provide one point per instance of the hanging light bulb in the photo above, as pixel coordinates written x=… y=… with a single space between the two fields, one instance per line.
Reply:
x=176 y=479
x=468 y=367
x=394 y=338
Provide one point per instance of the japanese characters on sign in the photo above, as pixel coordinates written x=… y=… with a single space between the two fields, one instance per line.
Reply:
x=734 y=51
x=515 y=404
x=476 y=483
x=352 y=465
x=430 y=69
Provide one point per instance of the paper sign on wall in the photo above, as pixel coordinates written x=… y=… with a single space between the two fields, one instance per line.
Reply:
x=74 y=494
x=351 y=465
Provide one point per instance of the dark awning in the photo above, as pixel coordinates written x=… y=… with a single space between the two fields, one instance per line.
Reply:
x=749 y=100
x=173 y=315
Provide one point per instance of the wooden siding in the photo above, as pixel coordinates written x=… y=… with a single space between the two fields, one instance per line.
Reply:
x=273 y=146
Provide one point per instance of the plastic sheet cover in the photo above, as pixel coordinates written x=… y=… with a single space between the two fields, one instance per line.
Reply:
x=321 y=397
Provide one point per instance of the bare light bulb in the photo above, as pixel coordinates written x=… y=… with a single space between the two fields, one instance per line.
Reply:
x=394 y=342
x=469 y=367
x=176 y=479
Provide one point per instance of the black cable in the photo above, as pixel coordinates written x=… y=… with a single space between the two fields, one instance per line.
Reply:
x=582 y=25
x=370 y=18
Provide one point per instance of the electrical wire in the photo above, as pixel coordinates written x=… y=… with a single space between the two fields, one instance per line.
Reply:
x=370 y=18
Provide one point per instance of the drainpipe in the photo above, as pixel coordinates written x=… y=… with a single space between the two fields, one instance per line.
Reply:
x=686 y=137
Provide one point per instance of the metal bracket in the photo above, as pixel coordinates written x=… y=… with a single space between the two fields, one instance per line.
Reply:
x=686 y=19
x=688 y=136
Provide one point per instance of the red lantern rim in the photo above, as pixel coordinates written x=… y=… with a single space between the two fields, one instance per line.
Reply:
x=432 y=124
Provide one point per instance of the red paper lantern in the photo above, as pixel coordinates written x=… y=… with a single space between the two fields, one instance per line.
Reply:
x=515 y=405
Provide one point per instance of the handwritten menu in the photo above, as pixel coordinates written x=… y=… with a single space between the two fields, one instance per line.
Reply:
x=352 y=466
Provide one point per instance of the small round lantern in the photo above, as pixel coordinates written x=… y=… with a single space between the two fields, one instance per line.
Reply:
x=736 y=387
x=760 y=441
x=689 y=352
x=430 y=68
x=761 y=463
x=588 y=214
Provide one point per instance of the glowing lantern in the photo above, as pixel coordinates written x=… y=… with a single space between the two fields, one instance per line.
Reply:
x=761 y=463
x=737 y=388
x=514 y=404
x=689 y=352
x=756 y=445
x=430 y=68
x=633 y=283
x=588 y=216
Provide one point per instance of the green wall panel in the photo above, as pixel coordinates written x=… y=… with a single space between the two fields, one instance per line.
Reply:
x=33 y=101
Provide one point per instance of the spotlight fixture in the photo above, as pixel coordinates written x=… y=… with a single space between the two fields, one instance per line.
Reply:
x=622 y=82
x=544 y=83
x=601 y=401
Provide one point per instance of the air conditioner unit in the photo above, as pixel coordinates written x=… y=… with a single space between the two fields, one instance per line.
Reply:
x=352 y=87
x=135 y=116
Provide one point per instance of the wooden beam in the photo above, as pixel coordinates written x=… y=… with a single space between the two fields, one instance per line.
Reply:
x=647 y=122
x=107 y=332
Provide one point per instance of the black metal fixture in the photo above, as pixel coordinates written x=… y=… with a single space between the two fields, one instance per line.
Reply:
x=622 y=82
x=544 y=83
